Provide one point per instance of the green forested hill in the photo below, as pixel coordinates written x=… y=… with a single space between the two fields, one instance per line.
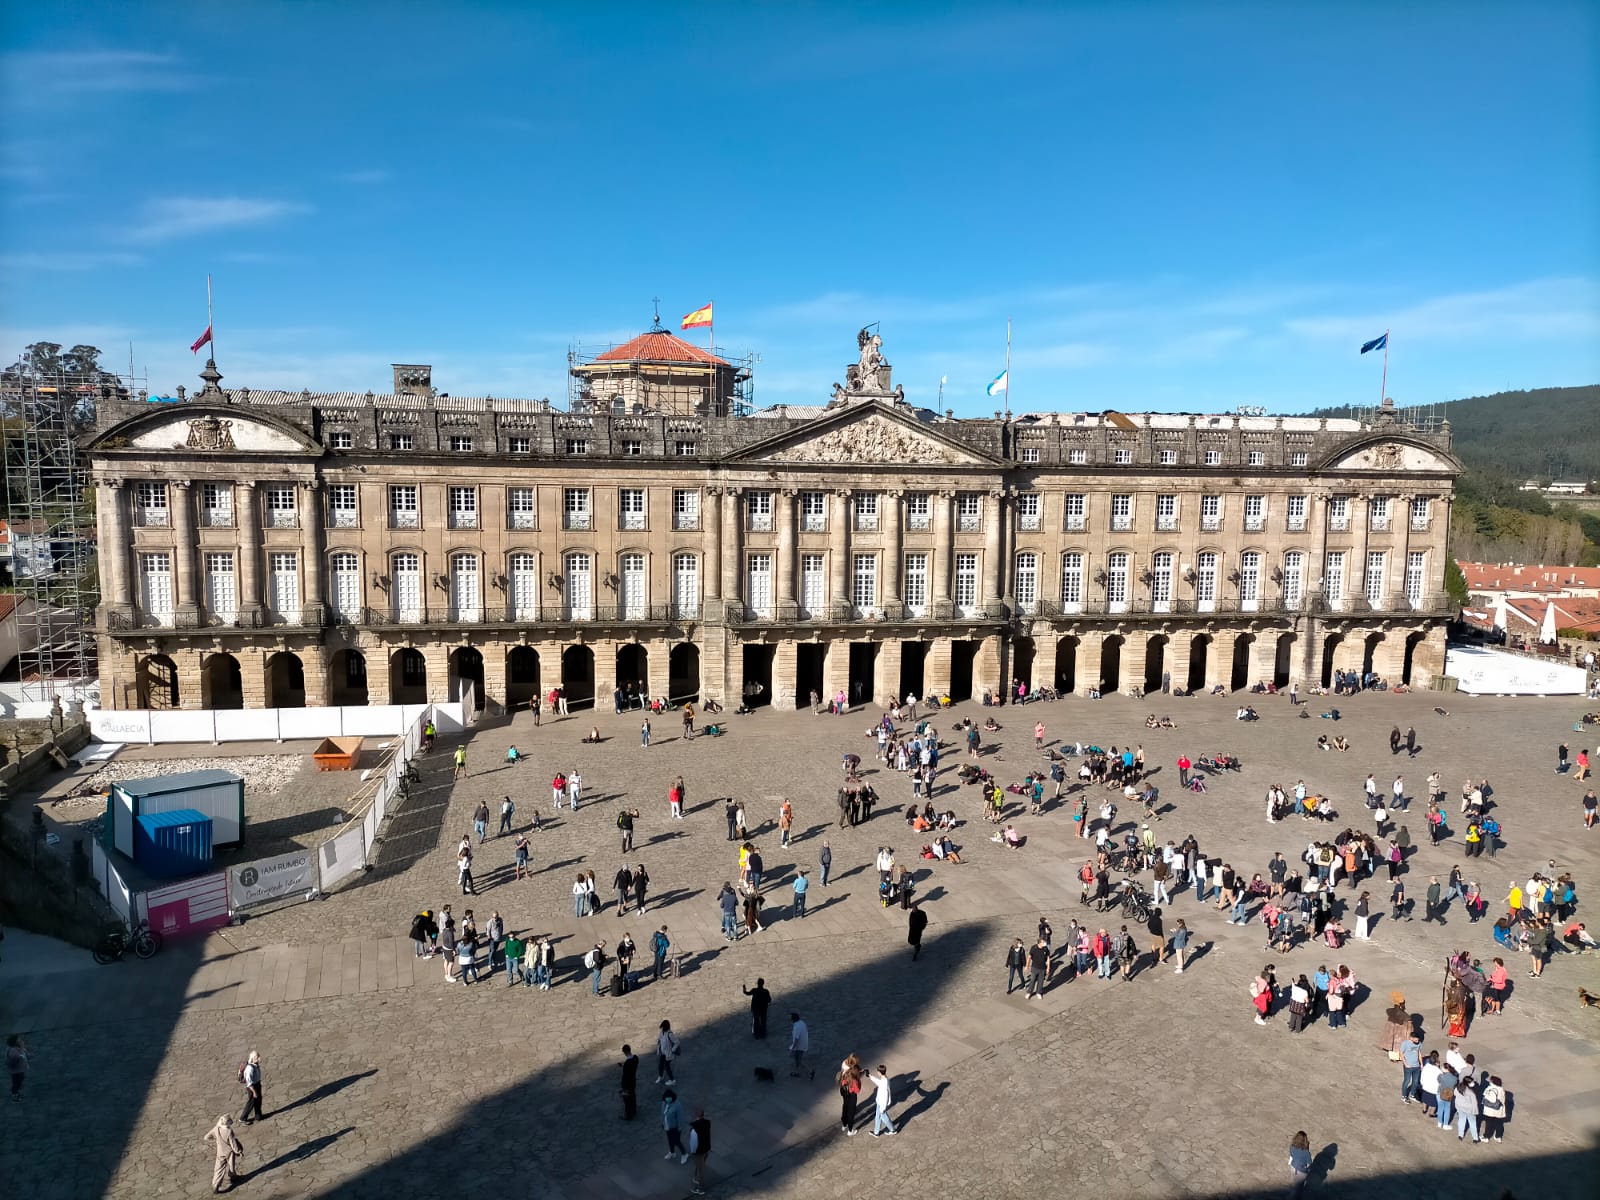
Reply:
x=1546 y=433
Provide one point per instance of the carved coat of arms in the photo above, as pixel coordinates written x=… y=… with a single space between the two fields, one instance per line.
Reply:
x=210 y=433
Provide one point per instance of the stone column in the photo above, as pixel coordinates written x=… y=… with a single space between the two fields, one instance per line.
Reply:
x=248 y=513
x=732 y=535
x=1357 y=571
x=1044 y=659
x=494 y=677
x=836 y=669
x=1135 y=657
x=114 y=548
x=783 y=500
x=1180 y=649
x=1397 y=569
x=994 y=571
x=1219 y=662
x=892 y=555
x=936 y=669
x=1088 y=661
x=311 y=536
x=784 y=670
x=186 y=598
x=939 y=565
x=989 y=667
x=713 y=562
x=887 y=673
x=839 y=551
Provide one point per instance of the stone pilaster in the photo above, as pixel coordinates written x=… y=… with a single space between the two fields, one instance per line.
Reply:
x=783 y=502
x=785 y=671
x=248 y=513
x=1090 y=646
x=186 y=597
x=887 y=677
x=936 y=668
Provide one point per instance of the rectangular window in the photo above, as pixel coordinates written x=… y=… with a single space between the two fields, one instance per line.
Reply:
x=521 y=508
x=1333 y=579
x=519 y=445
x=1205 y=581
x=402 y=441
x=524 y=587
x=966 y=596
x=342 y=506
x=866 y=511
x=1029 y=510
x=150 y=505
x=280 y=508
x=684 y=449
x=1256 y=458
x=1213 y=458
x=1121 y=512
x=580 y=586
x=1161 y=581
x=341 y=439
x=632 y=447
x=1376 y=560
x=685 y=508
x=969 y=511
x=575 y=509
x=1255 y=513
x=864 y=584
x=685 y=586
x=1077 y=457
x=813 y=512
x=633 y=590
x=1210 y=512
x=1416 y=577
x=405 y=572
x=1117 y=582
x=813 y=585
x=630 y=508
x=1250 y=581
x=918 y=510
x=283 y=586
x=758 y=511
x=1299 y=458
x=1419 y=512
x=1297 y=512
x=1072 y=581
x=222 y=596
x=1077 y=509
x=1167 y=458
x=1294 y=578
x=465 y=602
x=577 y=446
x=460 y=444
x=758 y=586
x=1338 y=513
x=1122 y=456
x=216 y=505
x=1380 y=512
x=155 y=579
x=1028 y=454
x=463 y=507
x=916 y=584
x=1025 y=583
x=1166 y=513
x=345 y=587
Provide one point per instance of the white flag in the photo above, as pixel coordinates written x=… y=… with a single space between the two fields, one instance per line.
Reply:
x=999 y=384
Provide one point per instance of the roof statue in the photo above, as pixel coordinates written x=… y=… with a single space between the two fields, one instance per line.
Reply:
x=869 y=377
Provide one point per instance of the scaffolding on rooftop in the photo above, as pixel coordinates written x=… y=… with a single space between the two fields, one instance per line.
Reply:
x=736 y=381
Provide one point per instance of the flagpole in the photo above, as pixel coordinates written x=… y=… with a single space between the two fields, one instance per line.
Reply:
x=1383 y=387
x=211 y=323
x=1008 y=368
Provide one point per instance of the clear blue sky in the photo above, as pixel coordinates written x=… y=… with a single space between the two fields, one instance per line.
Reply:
x=1180 y=206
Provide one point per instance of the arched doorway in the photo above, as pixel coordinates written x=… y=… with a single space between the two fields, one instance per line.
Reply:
x=963 y=656
x=466 y=672
x=577 y=676
x=1199 y=652
x=633 y=666
x=1243 y=652
x=1369 y=653
x=286 y=681
x=221 y=684
x=1066 y=680
x=156 y=682
x=408 y=677
x=1022 y=661
x=347 y=679
x=1409 y=664
x=756 y=677
x=1111 y=664
x=683 y=672
x=913 y=658
x=522 y=676
x=863 y=672
x=810 y=670
x=1283 y=664
x=1155 y=663
x=1330 y=649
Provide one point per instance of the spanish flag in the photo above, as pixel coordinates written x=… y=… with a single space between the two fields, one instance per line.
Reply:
x=698 y=318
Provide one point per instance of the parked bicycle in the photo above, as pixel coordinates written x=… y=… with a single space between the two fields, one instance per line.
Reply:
x=144 y=942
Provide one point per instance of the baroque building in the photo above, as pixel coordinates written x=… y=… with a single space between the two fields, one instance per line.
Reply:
x=282 y=549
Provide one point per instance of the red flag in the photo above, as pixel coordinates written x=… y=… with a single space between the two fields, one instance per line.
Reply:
x=204 y=338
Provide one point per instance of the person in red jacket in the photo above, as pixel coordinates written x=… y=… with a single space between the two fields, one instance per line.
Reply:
x=1183 y=770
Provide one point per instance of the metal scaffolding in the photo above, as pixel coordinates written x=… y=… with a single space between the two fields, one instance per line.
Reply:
x=54 y=573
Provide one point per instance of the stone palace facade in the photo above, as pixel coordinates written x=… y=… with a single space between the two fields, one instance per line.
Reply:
x=285 y=549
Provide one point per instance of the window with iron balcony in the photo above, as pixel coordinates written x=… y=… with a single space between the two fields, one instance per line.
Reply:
x=1419 y=512
x=1339 y=513
x=463 y=508
x=521 y=508
x=1296 y=513
x=918 y=511
x=685 y=509
x=1210 y=512
x=758 y=512
x=1166 y=513
x=1076 y=506
x=969 y=512
x=1380 y=512
x=1121 y=512
x=342 y=513
x=866 y=512
x=630 y=508
x=281 y=508
x=150 y=505
x=216 y=505
x=1255 y=513
x=813 y=512
x=1029 y=507
x=403 y=507
x=575 y=508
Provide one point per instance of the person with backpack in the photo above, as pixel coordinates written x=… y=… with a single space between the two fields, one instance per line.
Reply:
x=660 y=946
x=423 y=933
x=668 y=1047
x=672 y=1123
x=700 y=1147
x=250 y=1080
x=595 y=961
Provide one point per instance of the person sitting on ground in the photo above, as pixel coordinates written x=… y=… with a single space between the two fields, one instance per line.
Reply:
x=1009 y=837
x=1150 y=722
x=1322 y=742
x=1578 y=937
x=513 y=755
x=1341 y=744
x=947 y=820
x=991 y=725
x=593 y=735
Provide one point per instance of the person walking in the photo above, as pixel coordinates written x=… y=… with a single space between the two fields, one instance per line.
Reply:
x=480 y=821
x=1158 y=937
x=630 y=1083
x=700 y=1148
x=641 y=884
x=1180 y=944
x=1431 y=900
x=1016 y=965
x=625 y=820
x=506 y=809
x=520 y=848
x=730 y=813
x=250 y=1078
x=917 y=922
x=785 y=822
x=760 y=1001
x=464 y=870
x=514 y=951
x=17 y=1064
x=881 y=1084
x=644 y=740
x=225 y=1170
x=849 y=1081
x=595 y=960
x=623 y=882
x=667 y=1047
x=460 y=771
x=800 y=884
x=660 y=945
x=1038 y=965
x=1299 y=1162
x=672 y=1123
x=728 y=902
x=799 y=1043
x=825 y=860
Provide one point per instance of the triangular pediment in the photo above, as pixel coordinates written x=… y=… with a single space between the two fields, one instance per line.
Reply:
x=1392 y=454
x=869 y=437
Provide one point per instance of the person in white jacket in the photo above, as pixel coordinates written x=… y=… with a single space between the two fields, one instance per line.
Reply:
x=880 y=1081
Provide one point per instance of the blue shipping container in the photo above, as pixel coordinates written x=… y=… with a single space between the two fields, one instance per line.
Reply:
x=172 y=844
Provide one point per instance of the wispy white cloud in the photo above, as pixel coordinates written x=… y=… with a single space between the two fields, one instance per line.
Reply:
x=35 y=75
x=1539 y=310
x=368 y=176
x=68 y=260
x=165 y=218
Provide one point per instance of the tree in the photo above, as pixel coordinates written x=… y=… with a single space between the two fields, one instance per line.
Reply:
x=1455 y=583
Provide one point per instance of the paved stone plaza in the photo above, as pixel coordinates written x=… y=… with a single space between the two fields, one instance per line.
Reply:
x=382 y=1080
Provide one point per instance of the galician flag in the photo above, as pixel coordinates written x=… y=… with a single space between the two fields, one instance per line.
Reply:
x=998 y=385
x=698 y=318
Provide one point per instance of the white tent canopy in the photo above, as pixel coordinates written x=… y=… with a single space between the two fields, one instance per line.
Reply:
x=1547 y=629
